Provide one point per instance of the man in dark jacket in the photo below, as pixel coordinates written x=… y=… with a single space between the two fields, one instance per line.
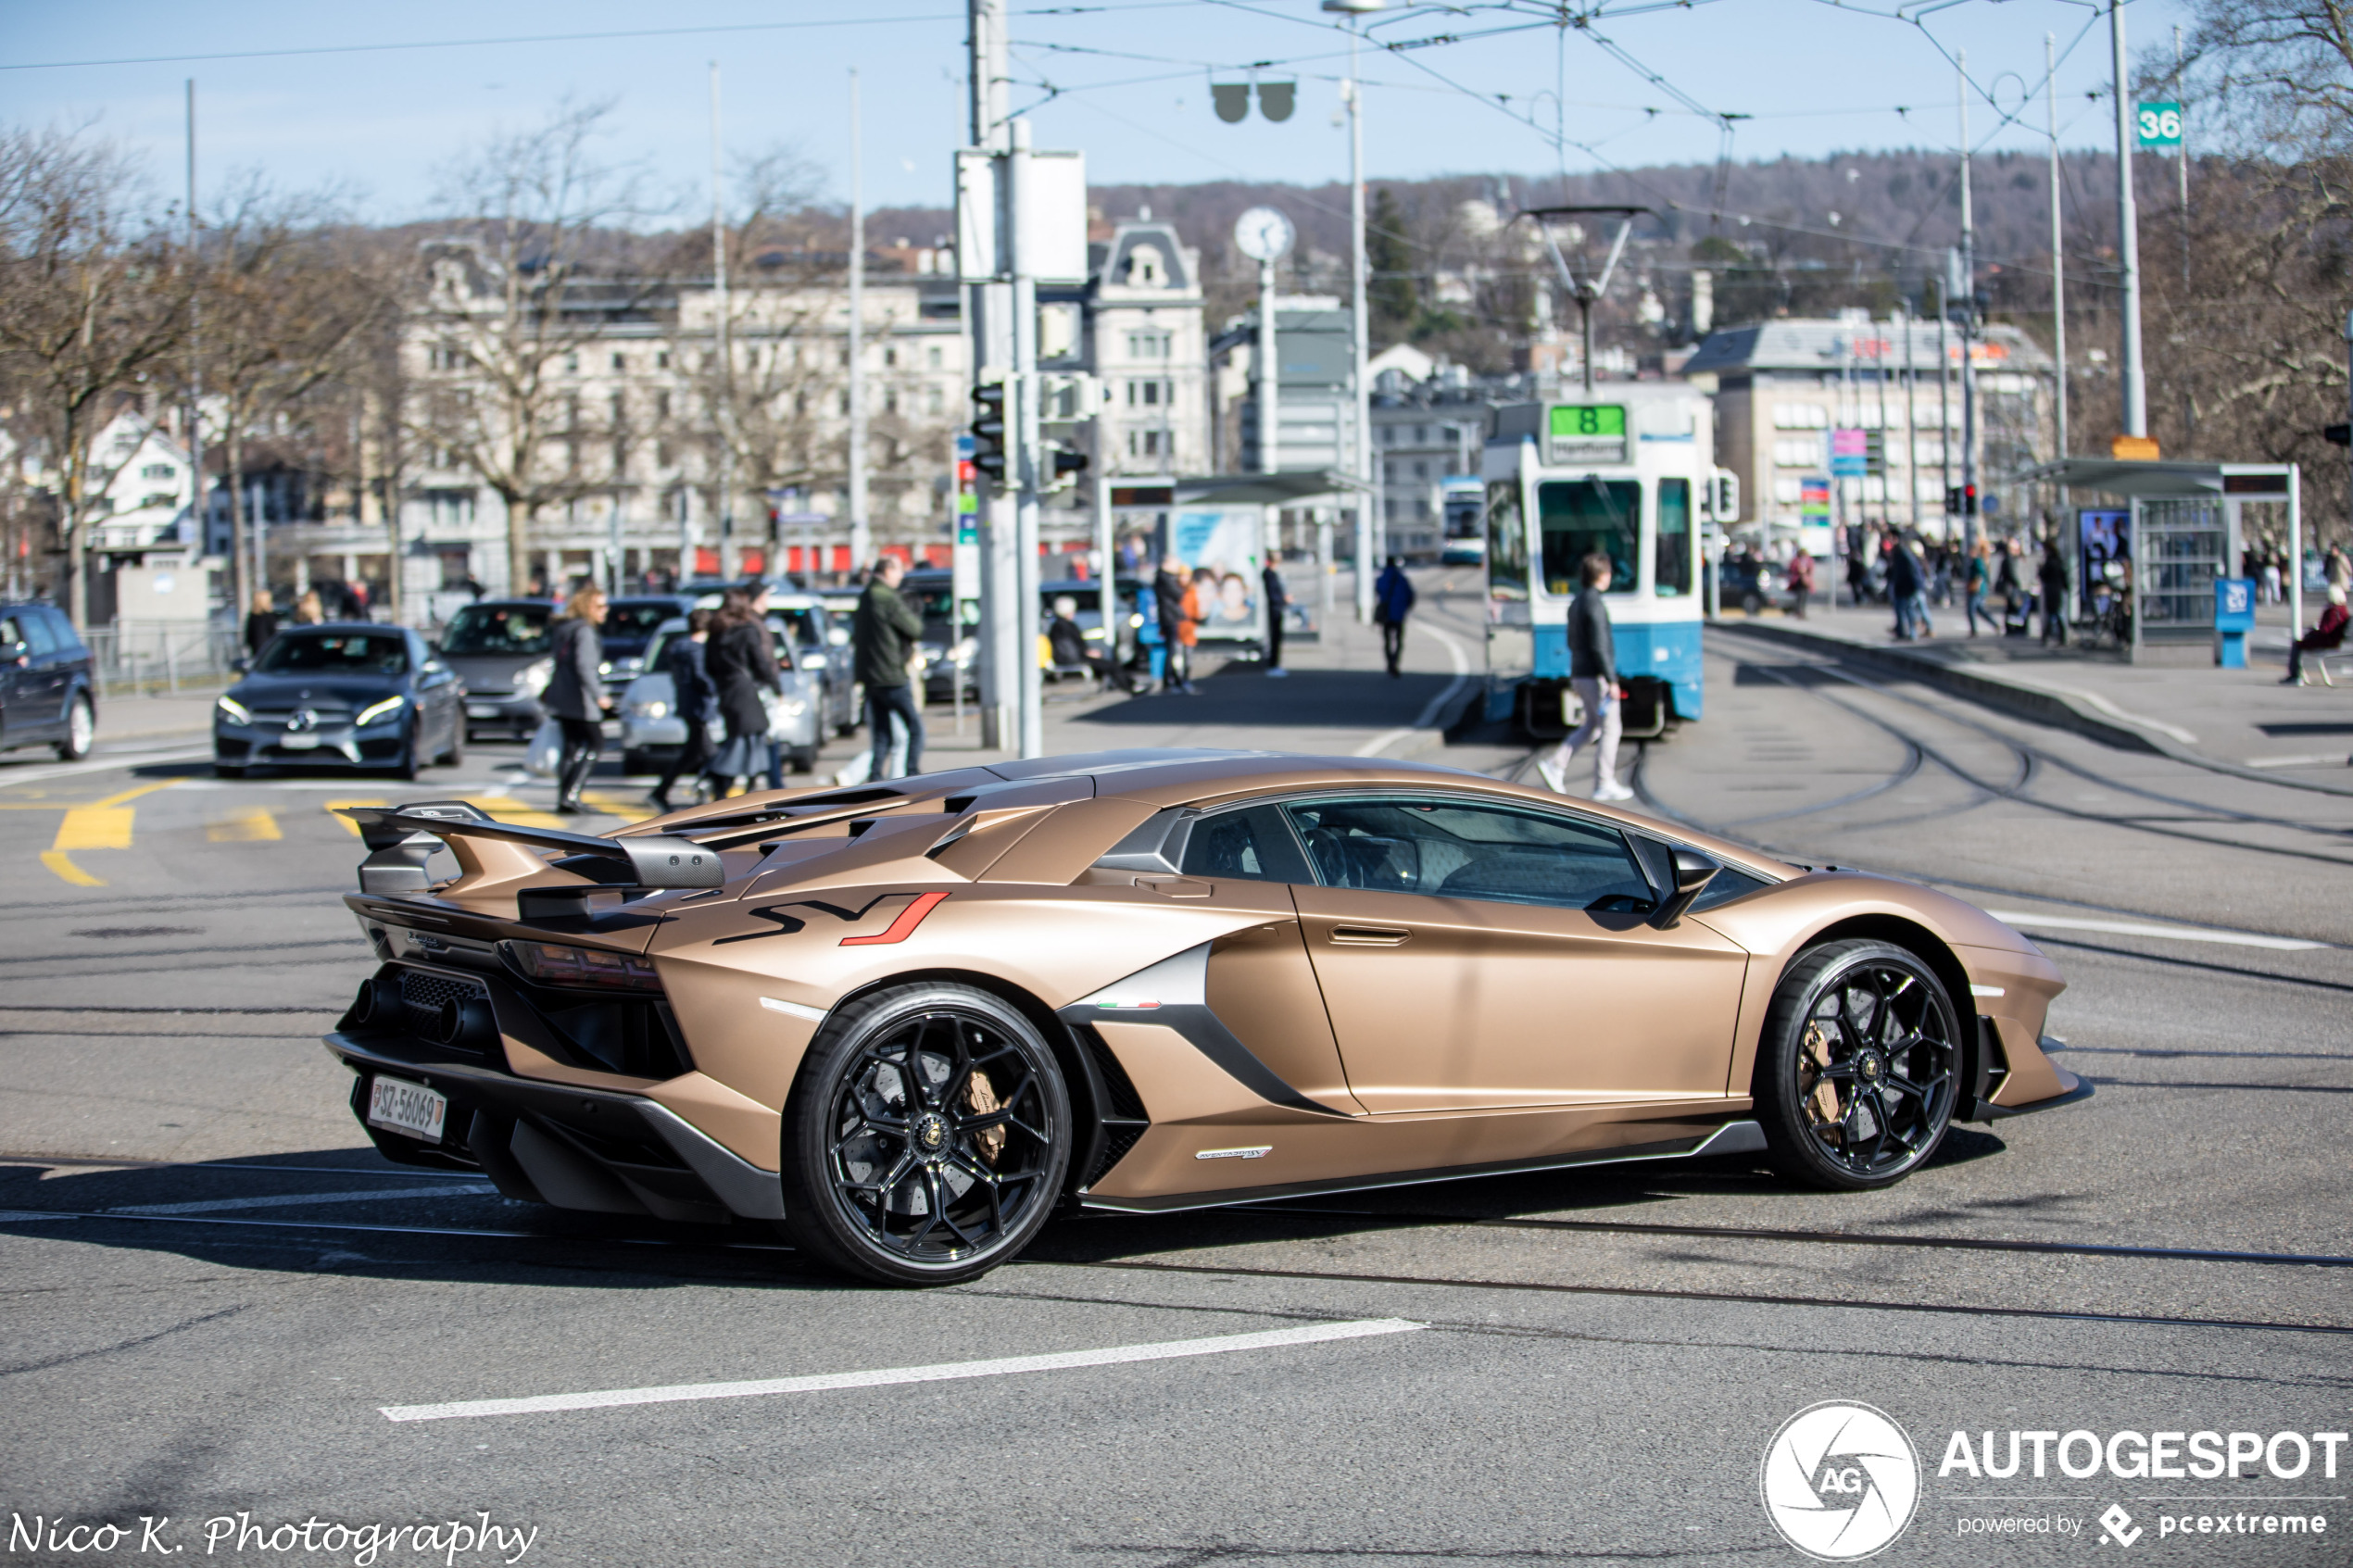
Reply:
x=1907 y=590
x=1592 y=670
x=1168 y=598
x=883 y=634
x=1277 y=601
x=696 y=699
x=2055 y=586
x=1393 y=601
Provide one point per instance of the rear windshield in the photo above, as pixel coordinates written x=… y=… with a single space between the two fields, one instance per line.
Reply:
x=336 y=653
x=626 y=620
x=659 y=651
x=497 y=629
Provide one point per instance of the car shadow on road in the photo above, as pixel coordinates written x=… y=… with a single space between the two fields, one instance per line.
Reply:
x=482 y=1239
x=1243 y=696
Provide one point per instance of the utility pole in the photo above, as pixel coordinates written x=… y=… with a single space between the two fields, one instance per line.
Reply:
x=2183 y=152
x=197 y=511
x=2058 y=265
x=1968 y=324
x=1024 y=459
x=989 y=308
x=1352 y=93
x=2128 y=240
x=862 y=541
x=1911 y=414
x=1944 y=384
x=1269 y=375
x=726 y=382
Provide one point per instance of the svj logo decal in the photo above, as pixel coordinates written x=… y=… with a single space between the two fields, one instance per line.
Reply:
x=1839 y=1481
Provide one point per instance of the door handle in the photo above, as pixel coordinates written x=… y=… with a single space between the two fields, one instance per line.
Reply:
x=1368 y=936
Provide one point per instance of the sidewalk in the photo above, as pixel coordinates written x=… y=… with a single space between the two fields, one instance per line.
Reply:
x=2175 y=702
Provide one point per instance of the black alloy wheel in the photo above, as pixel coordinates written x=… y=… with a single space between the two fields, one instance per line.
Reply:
x=1859 y=1067
x=926 y=1138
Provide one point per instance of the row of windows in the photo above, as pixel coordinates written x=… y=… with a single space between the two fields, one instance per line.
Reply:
x=441 y=356
x=1424 y=436
x=1817 y=415
x=1926 y=449
x=1871 y=487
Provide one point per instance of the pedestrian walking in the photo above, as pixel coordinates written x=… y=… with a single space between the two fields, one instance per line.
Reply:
x=741 y=660
x=1277 y=601
x=1392 y=602
x=1906 y=585
x=2008 y=584
x=885 y=633
x=1592 y=673
x=2270 y=580
x=1801 y=582
x=1858 y=569
x=262 y=622
x=1178 y=632
x=2057 y=592
x=575 y=694
x=2326 y=637
x=696 y=703
x=308 y=611
x=1980 y=582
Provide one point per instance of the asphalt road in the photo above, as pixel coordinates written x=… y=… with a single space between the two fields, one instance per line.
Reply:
x=214 y=1289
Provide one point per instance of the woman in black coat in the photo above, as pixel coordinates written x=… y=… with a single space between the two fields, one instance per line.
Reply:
x=743 y=667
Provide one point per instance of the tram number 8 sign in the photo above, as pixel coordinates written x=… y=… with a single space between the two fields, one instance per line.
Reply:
x=1587 y=432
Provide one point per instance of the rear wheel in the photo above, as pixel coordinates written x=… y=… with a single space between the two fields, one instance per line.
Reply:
x=1858 y=1068
x=81 y=728
x=455 y=756
x=803 y=758
x=926 y=1137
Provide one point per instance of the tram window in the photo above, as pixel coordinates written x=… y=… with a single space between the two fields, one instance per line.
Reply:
x=1580 y=516
x=1674 y=567
x=1506 y=542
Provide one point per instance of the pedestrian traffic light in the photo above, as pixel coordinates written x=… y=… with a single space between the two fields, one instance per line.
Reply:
x=988 y=430
x=1064 y=466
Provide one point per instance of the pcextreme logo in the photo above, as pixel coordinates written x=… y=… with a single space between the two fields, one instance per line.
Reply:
x=1839 y=1481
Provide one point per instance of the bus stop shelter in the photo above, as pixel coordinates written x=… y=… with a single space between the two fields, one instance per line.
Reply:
x=2187 y=530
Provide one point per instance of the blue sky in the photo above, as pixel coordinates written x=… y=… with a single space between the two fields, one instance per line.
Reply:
x=1129 y=83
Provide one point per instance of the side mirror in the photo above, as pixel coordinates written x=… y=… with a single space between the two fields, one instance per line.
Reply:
x=242 y=665
x=1694 y=872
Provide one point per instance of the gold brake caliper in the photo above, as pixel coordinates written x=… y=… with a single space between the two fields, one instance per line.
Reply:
x=1823 y=1093
x=980 y=1099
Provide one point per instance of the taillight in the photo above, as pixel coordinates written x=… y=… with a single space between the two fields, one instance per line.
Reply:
x=552 y=964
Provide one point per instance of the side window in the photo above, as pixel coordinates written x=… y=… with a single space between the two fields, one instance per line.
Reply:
x=39 y=635
x=9 y=636
x=1458 y=849
x=1506 y=542
x=1724 y=886
x=1250 y=844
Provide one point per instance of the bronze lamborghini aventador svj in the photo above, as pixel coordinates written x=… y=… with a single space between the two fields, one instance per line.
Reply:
x=910 y=1020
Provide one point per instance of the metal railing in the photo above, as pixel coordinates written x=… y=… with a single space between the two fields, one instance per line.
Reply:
x=134 y=656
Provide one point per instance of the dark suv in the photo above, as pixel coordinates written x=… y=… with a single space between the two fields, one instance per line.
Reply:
x=46 y=695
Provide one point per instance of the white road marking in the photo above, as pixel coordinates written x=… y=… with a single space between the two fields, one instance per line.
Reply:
x=99 y=763
x=1115 y=1355
x=291 y=1200
x=2140 y=928
x=1431 y=710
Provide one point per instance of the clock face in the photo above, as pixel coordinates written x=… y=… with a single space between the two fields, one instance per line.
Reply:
x=1263 y=233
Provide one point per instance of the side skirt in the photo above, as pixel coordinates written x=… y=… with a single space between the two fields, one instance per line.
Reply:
x=1733 y=1137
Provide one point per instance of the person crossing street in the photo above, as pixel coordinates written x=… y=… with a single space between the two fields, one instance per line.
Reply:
x=1592 y=670
x=884 y=632
x=1393 y=601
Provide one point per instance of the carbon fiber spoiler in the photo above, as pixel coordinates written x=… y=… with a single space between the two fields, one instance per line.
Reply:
x=401 y=839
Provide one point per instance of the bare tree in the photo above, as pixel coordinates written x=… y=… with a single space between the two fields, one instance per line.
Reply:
x=93 y=299
x=521 y=284
x=287 y=301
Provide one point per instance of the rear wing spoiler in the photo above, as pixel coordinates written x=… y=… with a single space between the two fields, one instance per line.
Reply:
x=401 y=839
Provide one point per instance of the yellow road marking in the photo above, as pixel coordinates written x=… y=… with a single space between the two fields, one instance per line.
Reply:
x=256 y=826
x=333 y=807
x=628 y=809
x=67 y=869
x=506 y=808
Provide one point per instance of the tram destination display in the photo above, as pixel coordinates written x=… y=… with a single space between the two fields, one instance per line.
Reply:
x=1586 y=433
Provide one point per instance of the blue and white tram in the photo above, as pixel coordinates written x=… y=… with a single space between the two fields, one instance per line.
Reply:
x=1627 y=470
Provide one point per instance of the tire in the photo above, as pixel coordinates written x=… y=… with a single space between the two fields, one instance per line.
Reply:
x=1870 y=1012
x=408 y=764
x=1751 y=602
x=849 y=1131
x=81 y=729
x=455 y=756
x=803 y=758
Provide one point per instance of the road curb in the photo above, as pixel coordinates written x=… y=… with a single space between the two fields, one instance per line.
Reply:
x=2065 y=710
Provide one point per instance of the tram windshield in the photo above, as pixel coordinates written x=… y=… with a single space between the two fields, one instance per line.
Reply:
x=1578 y=517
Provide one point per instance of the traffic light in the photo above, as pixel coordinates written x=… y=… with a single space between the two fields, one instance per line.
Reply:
x=1960 y=500
x=988 y=430
x=1064 y=466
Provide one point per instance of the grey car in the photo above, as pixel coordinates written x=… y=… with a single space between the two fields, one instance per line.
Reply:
x=652 y=730
x=504 y=652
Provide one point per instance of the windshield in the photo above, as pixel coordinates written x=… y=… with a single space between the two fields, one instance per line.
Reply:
x=659 y=651
x=1579 y=518
x=497 y=629
x=623 y=618
x=336 y=653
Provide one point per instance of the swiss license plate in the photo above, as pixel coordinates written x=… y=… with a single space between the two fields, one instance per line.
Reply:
x=408 y=1108
x=299 y=743
x=481 y=711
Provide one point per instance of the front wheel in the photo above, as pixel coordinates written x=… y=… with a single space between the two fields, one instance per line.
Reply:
x=1858 y=1067
x=926 y=1137
x=81 y=728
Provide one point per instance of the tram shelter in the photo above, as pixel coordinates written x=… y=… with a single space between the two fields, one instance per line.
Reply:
x=2187 y=523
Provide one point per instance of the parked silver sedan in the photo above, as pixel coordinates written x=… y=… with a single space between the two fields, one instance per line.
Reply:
x=652 y=729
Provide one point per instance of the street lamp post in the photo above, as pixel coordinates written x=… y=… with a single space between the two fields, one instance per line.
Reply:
x=1361 y=393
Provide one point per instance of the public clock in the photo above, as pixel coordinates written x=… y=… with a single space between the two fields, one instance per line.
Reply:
x=1263 y=233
